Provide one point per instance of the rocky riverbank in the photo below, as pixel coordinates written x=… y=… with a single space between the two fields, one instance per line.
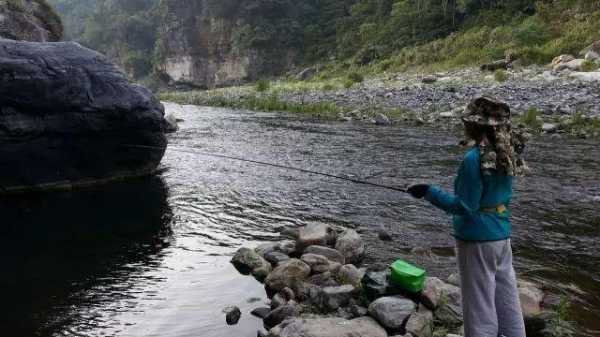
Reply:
x=318 y=287
x=552 y=101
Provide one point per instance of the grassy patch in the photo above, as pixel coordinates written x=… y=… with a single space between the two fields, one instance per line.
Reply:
x=531 y=119
x=500 y=75
x=270 y=102
x=262 y=85
x=589 y=66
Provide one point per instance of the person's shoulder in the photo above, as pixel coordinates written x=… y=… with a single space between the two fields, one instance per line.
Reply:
x=472 y=155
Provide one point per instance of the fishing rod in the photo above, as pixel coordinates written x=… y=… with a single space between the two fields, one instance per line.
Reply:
x=193 y=150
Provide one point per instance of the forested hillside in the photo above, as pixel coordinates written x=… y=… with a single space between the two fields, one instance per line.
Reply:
x=382 y=34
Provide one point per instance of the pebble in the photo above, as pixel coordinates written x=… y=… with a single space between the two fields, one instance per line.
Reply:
x=232 y=315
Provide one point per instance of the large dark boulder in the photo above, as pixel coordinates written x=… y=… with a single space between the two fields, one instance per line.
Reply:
x=68 y=117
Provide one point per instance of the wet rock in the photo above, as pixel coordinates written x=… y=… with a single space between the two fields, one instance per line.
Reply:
x=392 y=312
x=232 y=315
x=331 y=254
x=276 y=258
x=420 y=323
x=288 y=247
x=329 y=327
x=171 y=125
x=314 y=234
x=290 y=233
x=261 y=312
x=334 y=297
x=317 y=263
x=290 y=309
x=248 y=261
x=381 y=119
x=351 y=245
x=286 y=274
x=376 y=284
x=349 y=274
x=69 y=118
x=531 y=298
x=267 y=247
x=384 y=235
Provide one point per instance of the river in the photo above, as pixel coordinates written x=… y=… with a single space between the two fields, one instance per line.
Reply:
x=150 y=257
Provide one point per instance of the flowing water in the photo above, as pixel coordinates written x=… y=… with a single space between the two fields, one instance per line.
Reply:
x=150 y=257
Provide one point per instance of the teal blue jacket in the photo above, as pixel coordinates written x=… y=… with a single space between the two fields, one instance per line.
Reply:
x=475 y=194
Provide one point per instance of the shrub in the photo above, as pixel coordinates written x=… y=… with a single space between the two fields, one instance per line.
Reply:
x=500 y=75
x=588 y=66
x=355 y=77
x=348 y=83
x=262 y=85
x=531 y=118
x=328 y=87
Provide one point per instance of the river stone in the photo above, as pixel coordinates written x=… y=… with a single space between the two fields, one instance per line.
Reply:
x=329 y=327
x=420 y=323
x=429 y=79
x=70 y=118
x=574 y=65
x=318 y=263
x=333 y=298
x=248 y=261
x=435 y=291
x=266 y=247
x=349 y=274
x=331 y=254
x=531 y=298
x=232 y=315
x=261 y=312
x=381 y=119
x=561 y=59
x=286 y=274
x=549 y=127
x=454 y=279
x=290 y=309
x=171 y=123
x=392 y=312
x=376 y=284
x=276 y=258
x=314 y=234
x=323 y=280
x=351 y=245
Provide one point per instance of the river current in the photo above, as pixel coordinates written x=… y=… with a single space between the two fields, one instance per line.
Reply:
x=150 y=257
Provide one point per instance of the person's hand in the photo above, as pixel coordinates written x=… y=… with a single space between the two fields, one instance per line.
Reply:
x=418 y=191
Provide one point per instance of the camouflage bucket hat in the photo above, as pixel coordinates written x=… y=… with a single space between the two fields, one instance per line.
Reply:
x=487 y=111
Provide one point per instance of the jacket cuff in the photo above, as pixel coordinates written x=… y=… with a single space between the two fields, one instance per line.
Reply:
x=431 y=193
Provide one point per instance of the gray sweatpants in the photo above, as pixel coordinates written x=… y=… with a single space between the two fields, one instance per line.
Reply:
x=490 y=298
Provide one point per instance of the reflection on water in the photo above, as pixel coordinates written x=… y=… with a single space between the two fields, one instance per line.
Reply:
x=150 y=257
x=65 y=254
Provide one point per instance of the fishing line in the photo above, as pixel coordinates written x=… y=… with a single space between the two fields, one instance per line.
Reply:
x=192 y=150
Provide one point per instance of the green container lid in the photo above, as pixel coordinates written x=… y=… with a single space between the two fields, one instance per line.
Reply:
x=407 y=276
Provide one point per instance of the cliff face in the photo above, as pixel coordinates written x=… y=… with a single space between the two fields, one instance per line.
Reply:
x=29 y=20
x=210 y=43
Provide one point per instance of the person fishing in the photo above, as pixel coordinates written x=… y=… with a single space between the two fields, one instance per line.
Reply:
x=482 y=227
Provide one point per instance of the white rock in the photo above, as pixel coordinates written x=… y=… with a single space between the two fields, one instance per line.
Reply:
x=351 y=245
x=447 y=114
x=592 y=76
x=392 y=311
x=549 y=127
x=574 y=65
x=591 y=56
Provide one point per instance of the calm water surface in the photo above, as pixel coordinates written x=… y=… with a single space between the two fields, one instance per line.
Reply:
x=150 y=257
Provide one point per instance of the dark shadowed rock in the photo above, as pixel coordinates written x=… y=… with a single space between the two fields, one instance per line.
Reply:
x=232 y=315
x=334 y=297
x=330 y=253
x=276 y=257
x=291 y=309
x=261 y=312
x=68 y=118
x=248 y=261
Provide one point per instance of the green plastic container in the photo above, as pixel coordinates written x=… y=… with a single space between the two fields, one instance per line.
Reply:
x=407 y=276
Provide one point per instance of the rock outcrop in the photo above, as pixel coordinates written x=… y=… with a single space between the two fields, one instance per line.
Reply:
x=29 y=20
x=68 y=117
x=206 y=44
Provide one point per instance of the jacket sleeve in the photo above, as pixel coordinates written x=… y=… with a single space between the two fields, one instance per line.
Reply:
x=468 y=191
